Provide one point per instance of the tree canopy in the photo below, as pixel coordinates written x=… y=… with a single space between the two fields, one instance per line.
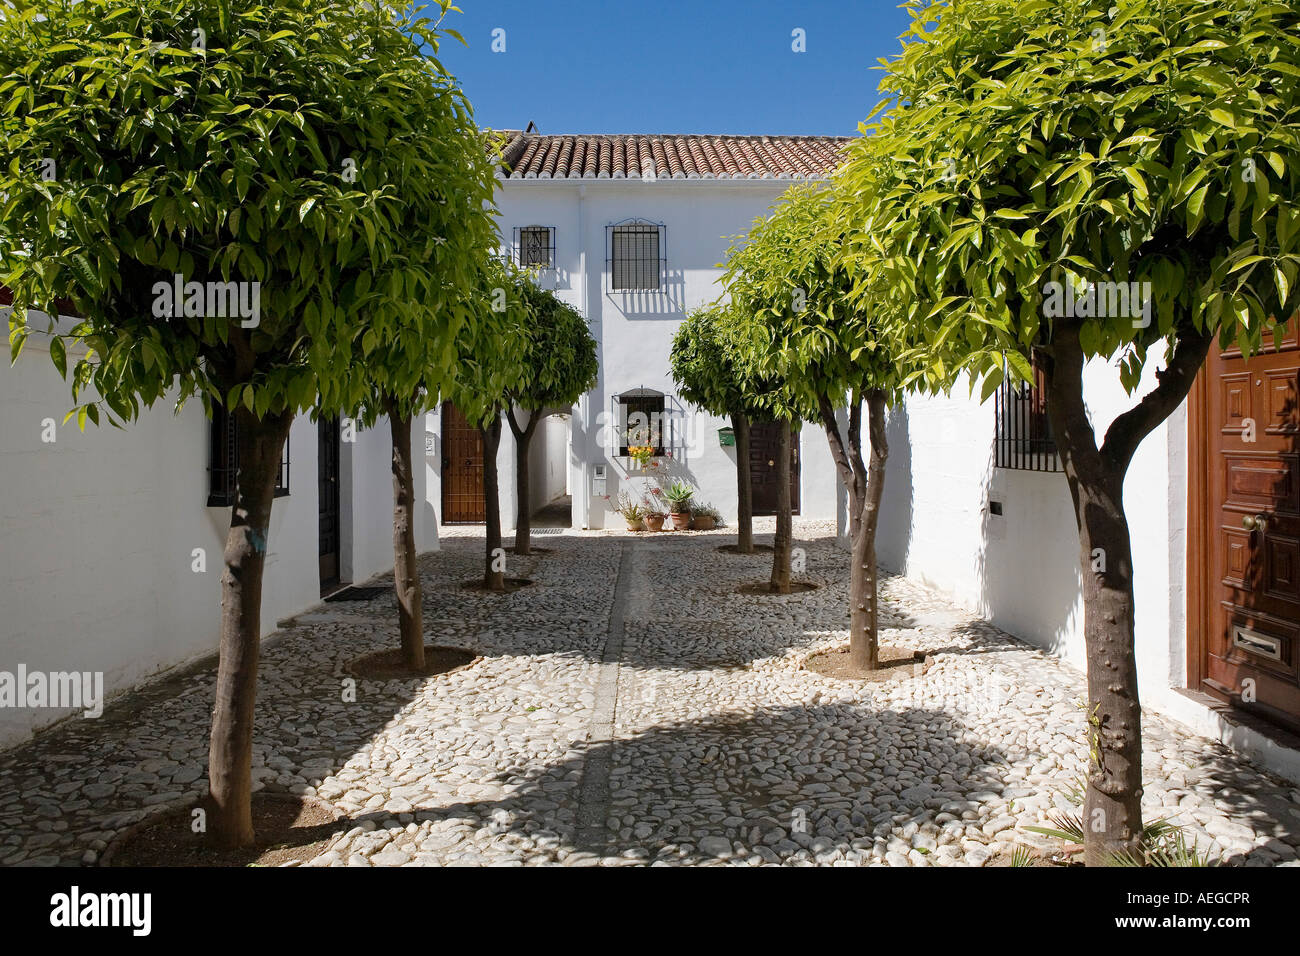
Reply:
x=489 y=349
x=287 y=144
x=702 y=367
x=558 y=356
x=1024 y=143
x=826 y=331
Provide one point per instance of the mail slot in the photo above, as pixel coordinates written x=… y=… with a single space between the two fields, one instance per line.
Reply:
x=1256 y=643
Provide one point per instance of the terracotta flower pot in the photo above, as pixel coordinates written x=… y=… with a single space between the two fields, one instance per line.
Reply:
x=654 y=522
x=703 y=523
x=681 y=520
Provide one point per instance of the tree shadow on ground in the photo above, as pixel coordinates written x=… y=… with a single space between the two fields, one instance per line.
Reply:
x=804 y=784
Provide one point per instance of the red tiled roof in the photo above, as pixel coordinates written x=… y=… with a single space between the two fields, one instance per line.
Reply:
x=534 y=156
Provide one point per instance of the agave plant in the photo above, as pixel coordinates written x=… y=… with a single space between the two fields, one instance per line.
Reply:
x=1163 y=842
x=1022 y=856
x=679 y=496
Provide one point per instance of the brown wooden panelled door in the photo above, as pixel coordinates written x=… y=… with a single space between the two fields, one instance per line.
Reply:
x=462 y=469
x=1252 y=614
x=764 y=438
x=327 y=480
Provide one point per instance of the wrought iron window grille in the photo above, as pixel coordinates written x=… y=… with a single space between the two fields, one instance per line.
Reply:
x=636 y=256
x=1024 y=439
x=223 y=461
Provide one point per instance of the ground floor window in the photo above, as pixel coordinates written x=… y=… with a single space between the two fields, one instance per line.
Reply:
x=223 y=460
x=1024 y=439
x=640 y=420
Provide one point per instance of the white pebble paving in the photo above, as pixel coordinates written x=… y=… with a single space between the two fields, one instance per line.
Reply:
x=725 y=749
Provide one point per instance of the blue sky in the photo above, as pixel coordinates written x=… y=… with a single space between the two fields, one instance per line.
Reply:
x=710 y=66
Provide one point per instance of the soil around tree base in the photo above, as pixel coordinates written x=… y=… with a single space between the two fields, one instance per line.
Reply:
x=287 y=830
x=763 y=587
x=896 y=663
x=1033 y=857
x=512 y=584
x=389 y=664
x=735 y=549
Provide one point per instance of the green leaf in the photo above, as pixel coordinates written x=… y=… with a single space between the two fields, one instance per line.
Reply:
x=59 y=356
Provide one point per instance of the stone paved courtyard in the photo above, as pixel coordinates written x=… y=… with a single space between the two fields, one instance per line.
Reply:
x=629 y=708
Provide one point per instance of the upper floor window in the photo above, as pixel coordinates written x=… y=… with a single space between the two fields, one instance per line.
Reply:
x=535 y=246
x=636 y=256
x=1024 y=439
x=223 y=461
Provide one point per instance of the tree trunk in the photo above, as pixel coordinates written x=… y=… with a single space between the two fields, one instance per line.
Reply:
x=864 y=487
x=523 y=440
x=1112 y=808
x=406 y=575
x=864 y=598
x=784 y=540
x=494 y=576
x=1112 y=822
x=230 y=755
x=744 y=486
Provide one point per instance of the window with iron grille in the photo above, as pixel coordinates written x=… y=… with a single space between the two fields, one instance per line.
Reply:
x=636 y=256
x=535 y=246
x=223 y=461
x=641 y=420
x=1024 y=438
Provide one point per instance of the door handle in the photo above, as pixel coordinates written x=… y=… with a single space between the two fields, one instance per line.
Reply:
x=1255 y=522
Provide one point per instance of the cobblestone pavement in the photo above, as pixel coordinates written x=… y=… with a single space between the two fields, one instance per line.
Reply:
x=630 y=707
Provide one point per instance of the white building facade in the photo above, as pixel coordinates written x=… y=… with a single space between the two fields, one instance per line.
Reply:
x=632 y=231
x=111 y=540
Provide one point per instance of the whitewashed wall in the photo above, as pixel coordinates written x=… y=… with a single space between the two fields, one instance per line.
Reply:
x=97 y=532
x=1021 y=569
x=548 y=462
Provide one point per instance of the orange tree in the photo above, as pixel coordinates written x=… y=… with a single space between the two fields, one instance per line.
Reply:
x=489 y=367
x=557 y=364
x=407 y=368
x=706 y=377
x=278 y=151
x=833 y=337
x=1146 y=147
x=771 y=397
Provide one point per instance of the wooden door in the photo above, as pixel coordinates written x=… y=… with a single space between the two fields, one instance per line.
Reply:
x=462 y=469
x=764 y=439
x=1252 y=589
x=327 y=482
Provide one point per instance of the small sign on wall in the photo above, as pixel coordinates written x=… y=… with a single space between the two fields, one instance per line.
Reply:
x=598 y=480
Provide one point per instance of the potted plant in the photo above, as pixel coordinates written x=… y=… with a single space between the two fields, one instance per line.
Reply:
x=654 y=520
x=705 y=517
x=679 y=504
x=633 y=512
x=641 y=454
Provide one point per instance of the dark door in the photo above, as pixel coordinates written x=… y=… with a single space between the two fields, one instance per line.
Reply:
x=764 y=439
x=1253 y=614
x=462 y=469
x=327 y=470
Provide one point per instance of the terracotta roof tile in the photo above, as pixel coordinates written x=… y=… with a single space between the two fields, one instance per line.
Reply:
x=532 y=155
